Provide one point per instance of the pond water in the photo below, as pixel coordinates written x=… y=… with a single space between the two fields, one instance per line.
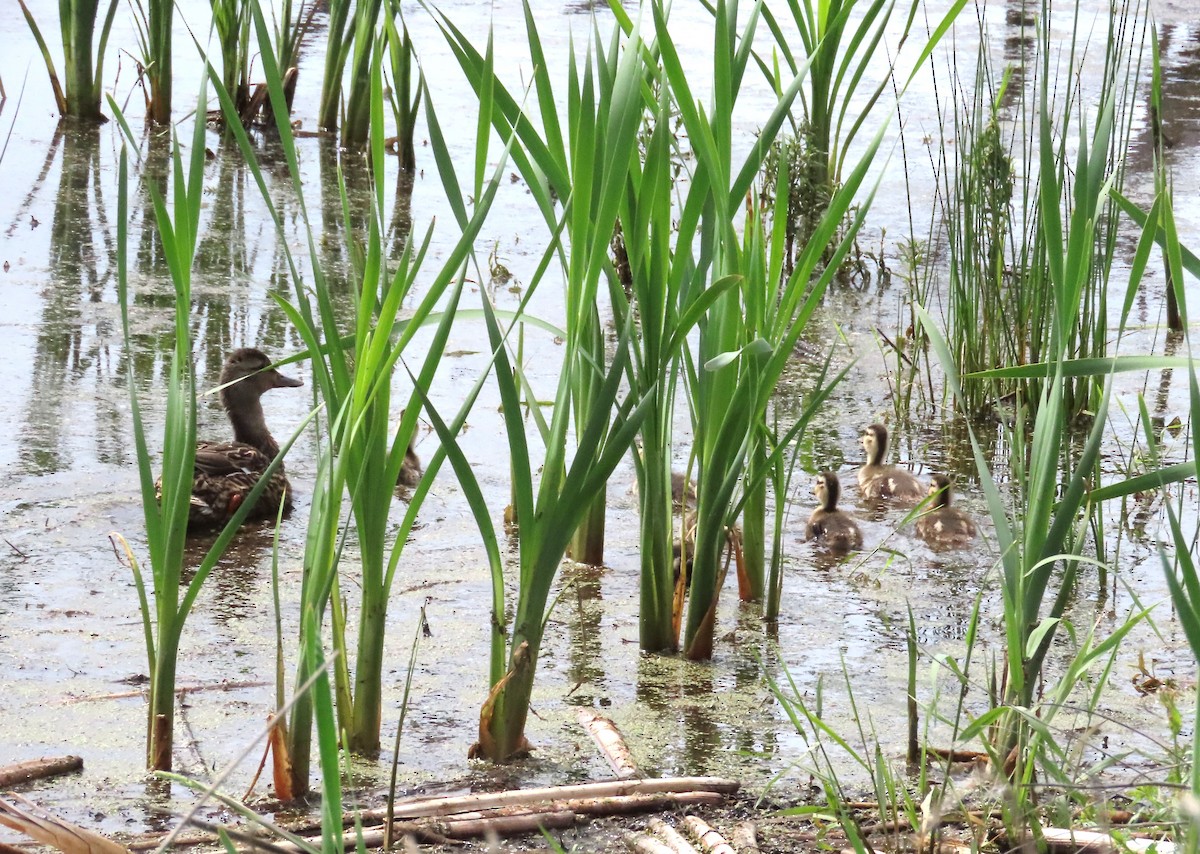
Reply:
x=71 y=643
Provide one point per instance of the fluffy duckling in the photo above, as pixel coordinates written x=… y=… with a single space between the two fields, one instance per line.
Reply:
x=834 y=528
x=944 y=525
x=225 y=472
x=878 y=481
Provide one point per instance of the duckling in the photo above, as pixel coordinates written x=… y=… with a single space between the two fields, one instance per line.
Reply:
x=225 y=472
x=944 y=525
x=410 y=470
x=683 y=491
x=879 y=481
x=828 y=525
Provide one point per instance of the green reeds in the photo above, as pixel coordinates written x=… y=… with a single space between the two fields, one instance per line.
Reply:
x=356 y=125
x=987 y=323
x=154 y=34
x=351 y=42
x=1000 y=260
x=1043 y=548
x=361 y=452
x=231 y=20
x=841 y=42
x=586 y=161
x=166 y=519
x=731 y=378
x=337 y=54
x=405 y=91
x=84 y=74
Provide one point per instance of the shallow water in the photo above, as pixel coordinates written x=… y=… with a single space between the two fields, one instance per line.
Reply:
x=70 y=633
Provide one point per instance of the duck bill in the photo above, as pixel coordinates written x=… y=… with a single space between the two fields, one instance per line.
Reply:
x=278 y=380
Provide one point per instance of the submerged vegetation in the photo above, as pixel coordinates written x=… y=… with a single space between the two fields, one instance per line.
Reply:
x=687 y=279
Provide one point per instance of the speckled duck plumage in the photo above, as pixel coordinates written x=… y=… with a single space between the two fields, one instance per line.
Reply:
x=226 y=472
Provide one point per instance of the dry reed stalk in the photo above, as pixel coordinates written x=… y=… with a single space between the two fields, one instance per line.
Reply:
x=612 y=745
x=492 y=800
x=674 y=839
x=27 y=817
x=745 y=838
x=643 y=844
x=710 y=840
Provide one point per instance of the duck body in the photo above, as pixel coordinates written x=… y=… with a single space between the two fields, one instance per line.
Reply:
x=827 y=525
x=410 y=470
x=880 y=482
x=226 y=472
x=945 y=525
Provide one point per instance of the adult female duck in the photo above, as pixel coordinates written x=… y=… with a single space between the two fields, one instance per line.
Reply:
x=225 y=472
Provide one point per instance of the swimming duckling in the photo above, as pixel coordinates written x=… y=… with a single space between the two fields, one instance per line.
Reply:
x=834 y=528
x=944 y=525
x=879 y=481
x=225 y=472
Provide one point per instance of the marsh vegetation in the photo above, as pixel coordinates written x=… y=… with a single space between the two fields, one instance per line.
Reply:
x=564 y=268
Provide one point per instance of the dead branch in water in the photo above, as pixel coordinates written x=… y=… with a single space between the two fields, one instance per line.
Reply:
x=38 y=769
x=186 y=689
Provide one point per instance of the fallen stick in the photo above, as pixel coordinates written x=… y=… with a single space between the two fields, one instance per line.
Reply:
x=711 y=841
x=419 y=807
x=745 y=838
x=612 y=745
x=674 y=839
x=38 y=769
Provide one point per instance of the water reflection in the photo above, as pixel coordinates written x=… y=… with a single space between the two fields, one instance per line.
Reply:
x=401 y=225
x=586 y=656
x=706 y=720
x=67 y=352
x=1179 y=47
